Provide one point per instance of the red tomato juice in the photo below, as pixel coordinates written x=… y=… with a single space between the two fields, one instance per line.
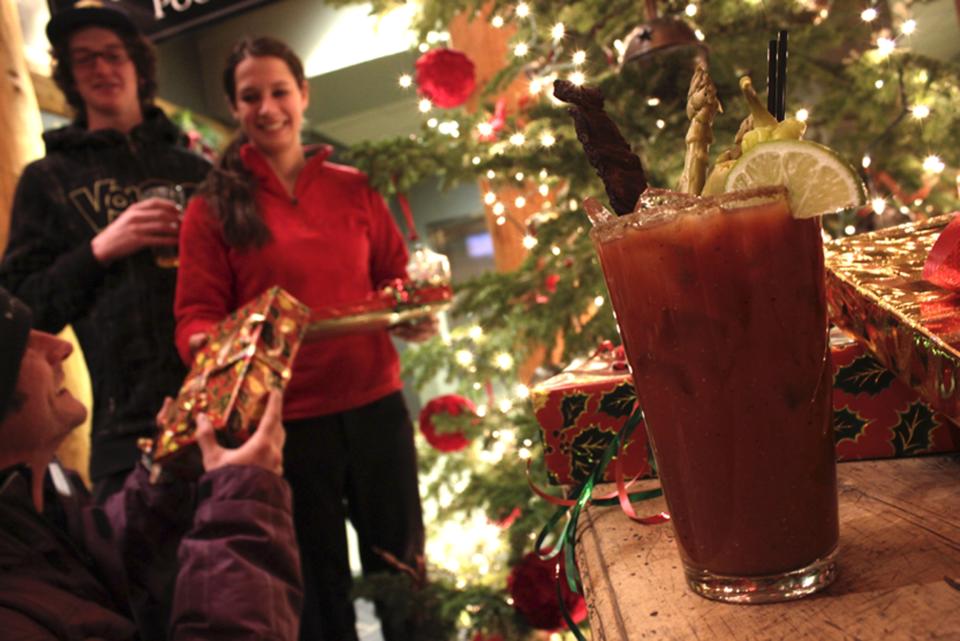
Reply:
x=723 y=317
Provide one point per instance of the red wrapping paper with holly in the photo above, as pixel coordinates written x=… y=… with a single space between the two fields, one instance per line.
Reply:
x=580 y=410
x=248 y=353
x=876 y=415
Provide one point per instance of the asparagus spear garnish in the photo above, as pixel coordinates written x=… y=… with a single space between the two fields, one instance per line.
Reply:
x=702 y=106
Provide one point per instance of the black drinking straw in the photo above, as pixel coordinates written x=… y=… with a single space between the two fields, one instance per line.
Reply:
x=781 y=75
x=772 y=77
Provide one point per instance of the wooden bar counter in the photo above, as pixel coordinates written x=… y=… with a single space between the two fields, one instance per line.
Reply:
x=899 y=553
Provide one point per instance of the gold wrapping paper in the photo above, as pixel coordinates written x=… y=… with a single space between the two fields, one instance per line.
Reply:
x=249 y=353
x=876 y=292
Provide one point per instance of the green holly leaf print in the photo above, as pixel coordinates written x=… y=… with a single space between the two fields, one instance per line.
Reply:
x=571 y=407
x=586 y=450
x=864 y=375
x=847 y=425
x=912 y=434
x=619 y=401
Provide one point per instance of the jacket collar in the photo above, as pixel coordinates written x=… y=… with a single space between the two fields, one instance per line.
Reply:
x=22 y=528
x=15 y=481
x=255 y=161
x=155 y=128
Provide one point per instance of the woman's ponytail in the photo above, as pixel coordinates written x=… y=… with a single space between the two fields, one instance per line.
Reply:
x=230 y=190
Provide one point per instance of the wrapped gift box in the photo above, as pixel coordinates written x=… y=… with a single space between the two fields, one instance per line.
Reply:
x=876 y=292
x=876 y=415
x=249 y=353
x=580 y=410
x=397 y=302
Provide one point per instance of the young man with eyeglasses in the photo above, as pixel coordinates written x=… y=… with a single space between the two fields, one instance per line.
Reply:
x=81 y=239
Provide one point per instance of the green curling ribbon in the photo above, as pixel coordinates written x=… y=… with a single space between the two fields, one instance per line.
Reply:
x=583 y=493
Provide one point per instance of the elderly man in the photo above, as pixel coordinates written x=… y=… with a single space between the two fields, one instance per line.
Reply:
x=224 y=547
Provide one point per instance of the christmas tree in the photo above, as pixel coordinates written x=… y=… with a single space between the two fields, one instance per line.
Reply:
x=854 y=79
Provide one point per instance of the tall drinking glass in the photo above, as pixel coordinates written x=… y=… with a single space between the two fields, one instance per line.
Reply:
x=721 y=307
x=166 y=256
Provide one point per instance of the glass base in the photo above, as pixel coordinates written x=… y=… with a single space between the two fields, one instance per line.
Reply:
x=785 y=586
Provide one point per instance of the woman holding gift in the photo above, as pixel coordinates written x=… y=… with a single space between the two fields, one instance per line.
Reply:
x=270 y=215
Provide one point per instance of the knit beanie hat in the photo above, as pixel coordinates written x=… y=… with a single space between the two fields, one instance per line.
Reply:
x=15 y=321
x=87 y=13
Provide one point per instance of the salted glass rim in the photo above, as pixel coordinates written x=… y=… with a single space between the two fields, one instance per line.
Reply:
x=682 y=204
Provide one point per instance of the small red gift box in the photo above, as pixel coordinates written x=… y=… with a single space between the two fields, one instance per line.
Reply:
x=248 y=353
x=876 y=415
x=397 y=302
x=580 y=411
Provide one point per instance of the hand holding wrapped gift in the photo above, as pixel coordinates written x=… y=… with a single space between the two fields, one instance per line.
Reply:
x=263 y=449
x=246 y=356
x=417 y=331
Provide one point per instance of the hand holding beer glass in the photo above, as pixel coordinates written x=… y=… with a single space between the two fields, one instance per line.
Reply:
x=166 y=256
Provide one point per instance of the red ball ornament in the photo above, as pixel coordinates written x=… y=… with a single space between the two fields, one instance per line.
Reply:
x=446 y=77
x=480 y=636
x=453 y=405
x=532 y=584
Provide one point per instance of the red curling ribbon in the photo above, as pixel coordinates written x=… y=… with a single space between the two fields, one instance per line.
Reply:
x=407 y=216
x=894 y=188
x=407 y=212
x=942 y=266
x=624 y=498
x=488 y=387
x=496 y=122
x=556 y=500
x=549 y=498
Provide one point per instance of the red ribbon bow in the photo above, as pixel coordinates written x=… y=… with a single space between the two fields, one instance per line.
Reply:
x=613 y=353
x=942 y=266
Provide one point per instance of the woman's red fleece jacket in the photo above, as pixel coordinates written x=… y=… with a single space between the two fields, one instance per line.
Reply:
x=334 y=242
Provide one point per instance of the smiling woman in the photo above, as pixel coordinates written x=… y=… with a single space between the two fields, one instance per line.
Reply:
x=269 y=215
x=269 y=102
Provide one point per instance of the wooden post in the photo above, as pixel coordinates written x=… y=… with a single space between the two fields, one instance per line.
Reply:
x=19 y=114
x=22 y=142
x=488 y=48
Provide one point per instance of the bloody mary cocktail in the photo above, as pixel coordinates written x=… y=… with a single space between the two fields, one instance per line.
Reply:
x=721 y=308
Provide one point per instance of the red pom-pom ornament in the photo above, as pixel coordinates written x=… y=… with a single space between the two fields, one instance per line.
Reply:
x=446 y=77
x=532 y=584
x=452 y=405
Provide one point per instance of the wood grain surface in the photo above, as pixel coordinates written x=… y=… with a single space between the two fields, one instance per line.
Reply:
x=899 y=550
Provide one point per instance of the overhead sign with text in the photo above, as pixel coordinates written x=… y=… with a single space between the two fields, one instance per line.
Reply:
x=161 y=19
